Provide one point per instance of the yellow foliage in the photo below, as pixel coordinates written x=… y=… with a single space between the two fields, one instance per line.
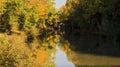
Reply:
x=39 y=4
x=14 y=47
x=41 y=58
x=65 y=12
x=42 y=10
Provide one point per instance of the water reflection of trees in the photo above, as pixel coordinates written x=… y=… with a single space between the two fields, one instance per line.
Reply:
x=90 y=50
x=95 y=44
x=45 y=51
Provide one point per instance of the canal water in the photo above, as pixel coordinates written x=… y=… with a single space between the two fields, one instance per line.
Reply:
x=68 y=52
x=61 y=59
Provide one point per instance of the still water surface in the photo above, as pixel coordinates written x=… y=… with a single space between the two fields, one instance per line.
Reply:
x=61 y=59
x=64 y=56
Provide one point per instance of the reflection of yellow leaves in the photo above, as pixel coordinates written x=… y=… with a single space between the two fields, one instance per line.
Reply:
x=41 y=57
x=53 y=44
x=65 y=46
x=52 y=40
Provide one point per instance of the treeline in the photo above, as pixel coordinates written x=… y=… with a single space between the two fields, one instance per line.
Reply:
x=24 y=15
x=91 y=16
x=92 y=26
x=24 y=25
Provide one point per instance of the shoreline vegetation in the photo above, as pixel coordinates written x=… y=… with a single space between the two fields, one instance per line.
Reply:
x=29 y=29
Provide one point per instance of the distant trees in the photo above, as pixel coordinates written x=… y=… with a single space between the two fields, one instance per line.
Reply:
x=93 y=16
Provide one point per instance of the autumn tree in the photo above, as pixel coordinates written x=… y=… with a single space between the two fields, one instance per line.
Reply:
x=26 y=14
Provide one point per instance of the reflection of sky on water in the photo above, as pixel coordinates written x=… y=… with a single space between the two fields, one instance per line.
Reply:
x=61 y=59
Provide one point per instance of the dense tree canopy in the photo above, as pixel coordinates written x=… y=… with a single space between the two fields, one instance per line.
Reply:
x=25 y=14
x=26 y=22
x=92 y=15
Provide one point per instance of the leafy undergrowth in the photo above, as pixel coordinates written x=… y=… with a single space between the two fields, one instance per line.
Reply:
x=14 y=52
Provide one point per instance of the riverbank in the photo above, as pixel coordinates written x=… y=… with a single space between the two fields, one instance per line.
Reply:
x=93 y=60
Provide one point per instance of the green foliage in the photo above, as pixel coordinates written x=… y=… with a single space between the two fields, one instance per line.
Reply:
x=25 y=14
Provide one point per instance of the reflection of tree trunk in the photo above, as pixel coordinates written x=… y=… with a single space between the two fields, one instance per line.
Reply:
x=118 y=40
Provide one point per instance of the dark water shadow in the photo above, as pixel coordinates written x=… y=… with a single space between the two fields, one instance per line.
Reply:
x=94 y=44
